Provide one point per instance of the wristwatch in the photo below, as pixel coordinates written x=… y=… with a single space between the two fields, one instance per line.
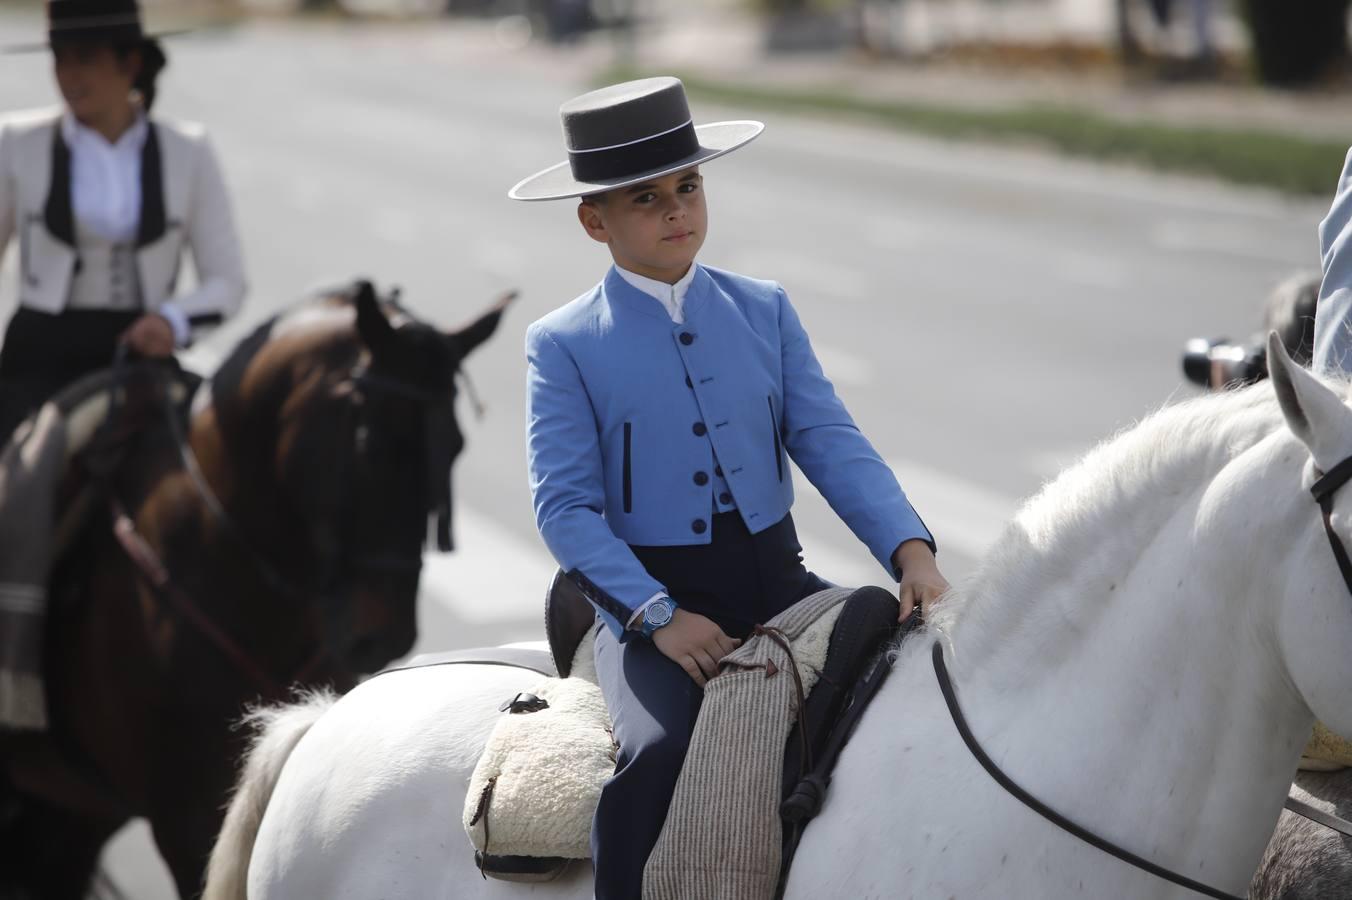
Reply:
x=657 y=615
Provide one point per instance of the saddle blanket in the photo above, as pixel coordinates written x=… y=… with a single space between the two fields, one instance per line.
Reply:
x=535 y=789
x=35 y=525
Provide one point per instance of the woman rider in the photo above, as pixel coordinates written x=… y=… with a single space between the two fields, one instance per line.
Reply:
x=105 y=199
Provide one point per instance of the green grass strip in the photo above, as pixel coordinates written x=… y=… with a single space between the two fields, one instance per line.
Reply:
x=1249 y=156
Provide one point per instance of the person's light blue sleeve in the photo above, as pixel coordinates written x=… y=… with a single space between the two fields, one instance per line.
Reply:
x=568 y=486
x=1333 y=321
x=824 y=441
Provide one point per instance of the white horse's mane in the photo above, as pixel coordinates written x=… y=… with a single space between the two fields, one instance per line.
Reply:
x=1037 y=577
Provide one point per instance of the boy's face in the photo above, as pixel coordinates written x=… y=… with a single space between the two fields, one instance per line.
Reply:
x=655 y=228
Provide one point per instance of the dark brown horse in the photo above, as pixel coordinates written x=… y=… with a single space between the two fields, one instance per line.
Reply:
x=288 y=520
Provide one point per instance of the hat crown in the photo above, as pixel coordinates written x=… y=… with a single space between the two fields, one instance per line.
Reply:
x=92 y=15
x=624 y=113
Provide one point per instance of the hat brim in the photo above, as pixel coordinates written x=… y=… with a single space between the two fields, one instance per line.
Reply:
x=715 y=139
x=45 y=46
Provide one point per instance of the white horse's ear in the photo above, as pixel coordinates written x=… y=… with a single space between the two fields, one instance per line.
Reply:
x=1314 y=413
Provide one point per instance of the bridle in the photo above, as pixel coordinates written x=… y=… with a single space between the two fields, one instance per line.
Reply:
x=335 y=561
x=1323 y=490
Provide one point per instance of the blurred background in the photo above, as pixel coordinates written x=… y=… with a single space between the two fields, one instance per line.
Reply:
x=999 y=219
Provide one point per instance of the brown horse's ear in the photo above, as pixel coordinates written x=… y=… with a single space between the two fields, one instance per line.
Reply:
x=375 y=330
x=471 y=336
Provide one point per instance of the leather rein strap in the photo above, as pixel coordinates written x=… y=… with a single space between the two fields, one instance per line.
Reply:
x=158 y=578
x=1037 y=806
x=1324 y=488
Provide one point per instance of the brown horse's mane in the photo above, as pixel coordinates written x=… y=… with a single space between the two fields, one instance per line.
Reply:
x=255 y=360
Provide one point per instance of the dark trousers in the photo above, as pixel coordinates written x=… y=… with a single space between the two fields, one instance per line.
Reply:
x=45 y=352
x=738 y=580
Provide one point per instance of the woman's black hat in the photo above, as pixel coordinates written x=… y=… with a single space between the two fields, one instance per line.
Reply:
x=629 y=133
x=102 y=21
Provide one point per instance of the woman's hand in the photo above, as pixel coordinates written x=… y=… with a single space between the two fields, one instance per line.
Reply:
x=695 y=644
x=921 y=583
x=150 y=336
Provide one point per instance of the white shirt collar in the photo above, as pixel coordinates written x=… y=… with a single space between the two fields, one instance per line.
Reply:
x=131 y=141
x=105 y=184
x=671 y=296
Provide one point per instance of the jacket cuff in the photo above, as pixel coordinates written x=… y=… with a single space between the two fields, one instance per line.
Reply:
x=599 y=597
x=178 y=321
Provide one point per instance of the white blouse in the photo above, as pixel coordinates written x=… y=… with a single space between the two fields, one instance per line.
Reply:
x=105 y=191
x=105 y=178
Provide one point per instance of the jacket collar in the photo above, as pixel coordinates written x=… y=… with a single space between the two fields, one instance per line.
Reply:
x=59 y=211
x=153 y=223
x=618 y=290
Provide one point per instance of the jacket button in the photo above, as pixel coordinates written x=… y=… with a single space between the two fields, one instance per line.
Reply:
x=699 y=429
x=699 y=526
x=687 y=338
x=688 y=383
x=701 y=478
x=725 y=498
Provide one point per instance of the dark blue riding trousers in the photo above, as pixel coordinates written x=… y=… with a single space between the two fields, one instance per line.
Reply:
x=738 y=580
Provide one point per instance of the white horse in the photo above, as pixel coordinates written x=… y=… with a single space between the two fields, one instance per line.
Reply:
x=1145 y=652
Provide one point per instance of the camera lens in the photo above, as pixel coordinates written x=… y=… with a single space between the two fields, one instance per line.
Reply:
x=1197 y=361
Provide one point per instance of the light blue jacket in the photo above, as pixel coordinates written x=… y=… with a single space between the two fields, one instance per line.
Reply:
x=626 y=408
x=1333 y=322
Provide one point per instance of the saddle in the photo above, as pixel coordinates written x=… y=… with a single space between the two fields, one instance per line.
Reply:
x=531 y=799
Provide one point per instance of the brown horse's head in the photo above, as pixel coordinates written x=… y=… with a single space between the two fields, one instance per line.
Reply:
x=340 y=420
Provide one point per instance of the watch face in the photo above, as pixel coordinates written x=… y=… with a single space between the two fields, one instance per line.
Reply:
x=658 y=614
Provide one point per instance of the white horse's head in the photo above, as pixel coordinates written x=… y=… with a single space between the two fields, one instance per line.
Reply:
x=1315 y=623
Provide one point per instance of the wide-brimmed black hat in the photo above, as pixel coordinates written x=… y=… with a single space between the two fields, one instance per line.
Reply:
x=629 y=133
x=111 y=21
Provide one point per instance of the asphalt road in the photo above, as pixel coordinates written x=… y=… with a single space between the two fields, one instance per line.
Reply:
x=987 y=315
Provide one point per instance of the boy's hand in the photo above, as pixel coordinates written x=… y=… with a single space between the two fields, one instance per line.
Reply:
x=695 y=644
x=921 y=583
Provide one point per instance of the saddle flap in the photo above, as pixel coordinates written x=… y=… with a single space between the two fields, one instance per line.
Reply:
x=568 y=618
x=867 y=620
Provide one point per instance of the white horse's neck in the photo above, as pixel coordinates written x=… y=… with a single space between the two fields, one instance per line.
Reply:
x=1117 y=654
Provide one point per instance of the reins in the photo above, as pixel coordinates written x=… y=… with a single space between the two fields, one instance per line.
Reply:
x=1042 y=809
x=1323 y=490
x=156 y=574
x=1325 y=486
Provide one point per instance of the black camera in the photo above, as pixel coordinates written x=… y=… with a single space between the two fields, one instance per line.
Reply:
x=1220 y=363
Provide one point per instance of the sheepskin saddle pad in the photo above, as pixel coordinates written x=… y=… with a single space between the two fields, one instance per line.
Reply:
x=533 y=794
x=1326 y=752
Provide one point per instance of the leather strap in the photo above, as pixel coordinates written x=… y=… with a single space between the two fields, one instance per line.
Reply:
x=515 y=657
x=1326 y=484
x=1323 y=491
x=1037 y=806
x=807 y=798
x=156 y=576
x=1318 y=816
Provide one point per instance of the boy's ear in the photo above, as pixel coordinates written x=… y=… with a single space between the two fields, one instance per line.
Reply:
x=589 y=214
